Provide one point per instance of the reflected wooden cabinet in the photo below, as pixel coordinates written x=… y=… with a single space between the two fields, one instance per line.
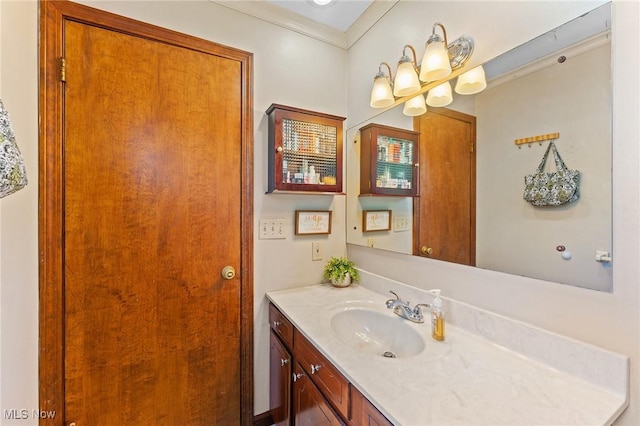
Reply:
x=305 y=150
x=305 y=388
x=388 y=161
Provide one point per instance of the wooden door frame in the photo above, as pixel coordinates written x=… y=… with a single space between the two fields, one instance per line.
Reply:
x=416 y=200
x=51 y=208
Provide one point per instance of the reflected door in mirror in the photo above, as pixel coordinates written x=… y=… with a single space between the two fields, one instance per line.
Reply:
x=445 y=211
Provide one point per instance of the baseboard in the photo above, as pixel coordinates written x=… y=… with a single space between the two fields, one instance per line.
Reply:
x=263 y=419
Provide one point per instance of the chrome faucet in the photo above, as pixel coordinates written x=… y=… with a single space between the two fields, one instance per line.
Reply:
x=405 y=310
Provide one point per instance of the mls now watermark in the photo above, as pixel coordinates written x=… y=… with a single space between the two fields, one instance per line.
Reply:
x=25 y=414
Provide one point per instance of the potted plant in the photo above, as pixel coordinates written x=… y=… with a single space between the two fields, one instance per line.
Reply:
x=341 y=271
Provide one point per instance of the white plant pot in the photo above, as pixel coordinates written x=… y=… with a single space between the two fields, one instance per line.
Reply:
x=346 y=281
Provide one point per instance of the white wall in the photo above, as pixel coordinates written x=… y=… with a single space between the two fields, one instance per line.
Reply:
x=608 y=320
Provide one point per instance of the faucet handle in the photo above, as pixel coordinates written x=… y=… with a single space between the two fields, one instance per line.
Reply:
x=416 y=309
x=395 y=294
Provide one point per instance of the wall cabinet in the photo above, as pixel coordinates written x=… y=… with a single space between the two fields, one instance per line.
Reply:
x=305 y=388
x=305 y=150
x=388 y=161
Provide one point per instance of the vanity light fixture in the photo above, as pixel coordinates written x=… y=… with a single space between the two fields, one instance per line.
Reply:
x=439 y=61
x=440 y=96
x=440 y=58
x=406 y=82
x=381 y=94
x=415 y=106
x=471 y=82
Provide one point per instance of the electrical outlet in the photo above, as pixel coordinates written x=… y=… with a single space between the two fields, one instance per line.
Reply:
x=371 y=242
x=272 y=229
x=316 y=251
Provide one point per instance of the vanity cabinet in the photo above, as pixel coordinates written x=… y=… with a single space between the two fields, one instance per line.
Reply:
x=307 y=389
x=280 y=373
x=310 y=408
x=364 y=413
x=388 y=161
x=305 y=150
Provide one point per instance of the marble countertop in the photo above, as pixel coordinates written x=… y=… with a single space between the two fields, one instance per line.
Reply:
x=465 y=380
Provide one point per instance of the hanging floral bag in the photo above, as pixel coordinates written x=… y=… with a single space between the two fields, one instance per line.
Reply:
x=13 y=175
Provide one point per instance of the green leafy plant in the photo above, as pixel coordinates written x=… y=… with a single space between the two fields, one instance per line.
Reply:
x=337 y=267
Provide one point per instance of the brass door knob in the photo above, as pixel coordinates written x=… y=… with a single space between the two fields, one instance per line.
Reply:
x=426 y=250
x=228 y=272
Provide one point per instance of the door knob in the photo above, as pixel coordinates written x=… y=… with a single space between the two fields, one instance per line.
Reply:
x=426 y=250
x=228 y=272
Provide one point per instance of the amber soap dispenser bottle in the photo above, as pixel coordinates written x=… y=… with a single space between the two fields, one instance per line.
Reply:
x=437 y=316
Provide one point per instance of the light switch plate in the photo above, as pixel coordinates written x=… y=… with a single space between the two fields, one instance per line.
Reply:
x=272 y=229
x=401 y=223
x=316 y=251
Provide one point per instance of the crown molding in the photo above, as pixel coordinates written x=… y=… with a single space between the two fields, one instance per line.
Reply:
x=284 y=18
x=552 y=59
x=376 y=10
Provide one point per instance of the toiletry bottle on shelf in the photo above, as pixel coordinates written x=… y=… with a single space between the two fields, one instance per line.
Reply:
x=437 y=316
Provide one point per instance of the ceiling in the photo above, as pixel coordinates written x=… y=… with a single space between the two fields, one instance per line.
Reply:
x=340 y=23
x=339 y=14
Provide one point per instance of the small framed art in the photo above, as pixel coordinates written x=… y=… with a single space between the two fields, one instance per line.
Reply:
x=311 y=222
x=376 y=220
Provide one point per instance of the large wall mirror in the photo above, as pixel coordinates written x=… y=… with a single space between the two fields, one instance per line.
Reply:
x=559 y=82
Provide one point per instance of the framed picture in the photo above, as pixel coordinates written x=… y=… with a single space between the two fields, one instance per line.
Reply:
x=376 y=220
x=310 y=222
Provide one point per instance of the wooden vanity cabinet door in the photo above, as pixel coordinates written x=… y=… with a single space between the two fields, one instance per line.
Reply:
x=279 y=382
x=281 y=325
x=309 y=406
x=331 y=383
x=363 y=413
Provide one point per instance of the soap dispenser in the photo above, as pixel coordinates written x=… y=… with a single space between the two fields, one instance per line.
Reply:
x=437 y=316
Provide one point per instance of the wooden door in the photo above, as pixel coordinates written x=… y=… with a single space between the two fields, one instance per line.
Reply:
x=445 y=212
x=144 y=190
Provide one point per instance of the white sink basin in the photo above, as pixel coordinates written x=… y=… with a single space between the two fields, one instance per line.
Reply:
x=376 y=331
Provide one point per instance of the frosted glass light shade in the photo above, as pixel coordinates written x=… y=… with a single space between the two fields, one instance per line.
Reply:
x=471 y=82
x=440 y=96
x=415 y=106
x=406 y=82
x=381 y=95
x=435 y=62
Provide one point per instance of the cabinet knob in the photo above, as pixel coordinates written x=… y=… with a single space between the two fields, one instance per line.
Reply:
x=314 y=368
x=279 y=149
x=297 y=376
x=284 y=361
x=426 y=250
x=277 y=324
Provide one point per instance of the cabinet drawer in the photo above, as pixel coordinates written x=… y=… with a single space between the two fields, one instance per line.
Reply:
x=281 y=326
x=327 y=378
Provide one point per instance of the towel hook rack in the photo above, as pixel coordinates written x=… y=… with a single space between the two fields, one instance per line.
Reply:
x=539 y=139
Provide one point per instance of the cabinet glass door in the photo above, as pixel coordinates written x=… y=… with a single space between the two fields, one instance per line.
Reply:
x=309 y=154
x=395 y=160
